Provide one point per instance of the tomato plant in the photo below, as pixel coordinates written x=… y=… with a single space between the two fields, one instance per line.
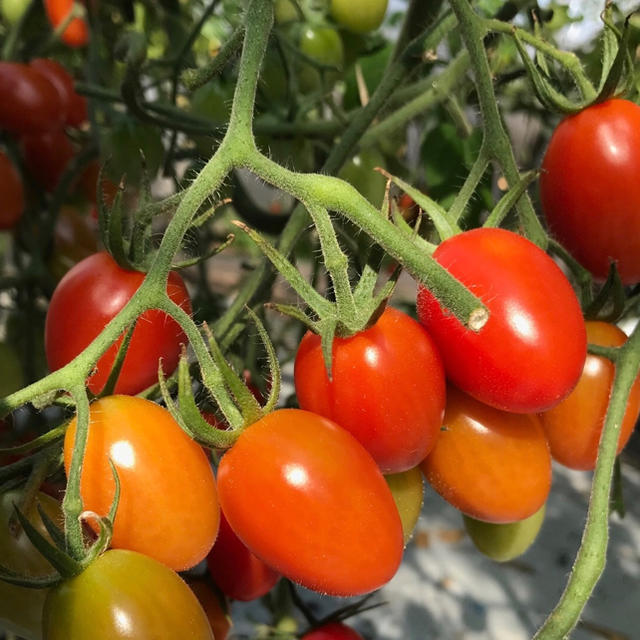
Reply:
x=324 y=46
x=168 y=503
x=21 y=607
x=591 y=203
x=530 y=353
x=11 y=193
x=332 y=631
x=238 y=572
x=359 y=16
x=320 y=497
x=76 y=34
x=46 y=156
x=360 y=173
x=489 y=464
x=407 y=491
x=105 y=288
x=387 y=388
x=123 y=594
x=573 y=427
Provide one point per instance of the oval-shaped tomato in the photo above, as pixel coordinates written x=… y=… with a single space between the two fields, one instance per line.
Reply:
x=359 y=16
x=30 y=103
x=360 y=173
x=305 y=497
x=215 y=606
x=589 y=187
x=387 y=388
x=530 y=353
x=407 y=491
x=574 y=426
x=238 y=572
x=46 y=156
x=490 y=464
x=124 y=595
x=104 y=288
x=21 y=607
x=168 y=501
x=504 y=542
x=76 y=33
x=58 y=76
x=11 y=193
x=324 y=46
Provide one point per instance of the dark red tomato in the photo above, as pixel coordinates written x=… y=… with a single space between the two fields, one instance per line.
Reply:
x=214 y=605
x=75 y=238
x=78 y=110
x=77 y=32
x=305 y=497
x=46 y=156
x=58 y=76
x=30 y=103
x=123 y=595
x=11 y=193
x=103 y=288
x=490 y=464
x=168 y=505
x=88 y=184
x=573 y=427
x=332 y=631
x=590 y=190
x=238 y=572
x=530 y=353
x=387 y=388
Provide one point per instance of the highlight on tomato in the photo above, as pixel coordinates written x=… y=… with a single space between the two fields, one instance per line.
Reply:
x=530 y=353
x=574 y=426
x=168 y=505
x=304 y=496
x=104 y=288
x=76 y=34
x=387 y=388
x=11 y=193
x=489 y=464
x=121 y=595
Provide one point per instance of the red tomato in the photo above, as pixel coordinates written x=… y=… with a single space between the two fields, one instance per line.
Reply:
x=77 y=33
x=307 y=499
x=47 y=155
x=530 y=353
x=102 y=288
x=237 y=571
x=168 y=501
x=58 y=76
x=88 y=184
x=590 y=190
x=573 y=427
x=11 y=193
x=214 y=606
x=387 y=388
x=332 y=631
x=490 y=464
x=30 y=103
x=78 y=110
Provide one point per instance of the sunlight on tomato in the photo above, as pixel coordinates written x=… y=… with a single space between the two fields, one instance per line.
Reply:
x=407 y=491
x=76 y=34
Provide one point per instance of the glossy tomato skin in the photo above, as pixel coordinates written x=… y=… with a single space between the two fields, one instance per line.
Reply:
x=124 y=595
x=105 y=288
x=46 y=156
x=168 y=501
x=332 y=631
x=574 y=426
x=530 y=353
x=11 y=193
x=387 y=388
x=407 y=491
x=359 y=16
x=58 y=76
x=590 y=190
x=306 y=498
x=238 y=572
x=30 y=103
x=489 y=464
x=20 y=607
x=77 y=32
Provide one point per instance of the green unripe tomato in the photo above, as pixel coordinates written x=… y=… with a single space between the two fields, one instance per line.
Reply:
x=285 y=11
x=13 y=10
x=407 y=491
x=359 y=172
x=503 y=542
x=324 y=46
x=359 y=16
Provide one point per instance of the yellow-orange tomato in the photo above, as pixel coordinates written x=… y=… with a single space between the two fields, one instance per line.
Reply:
x=574 y=426
x=168 y=501
x=490 y=464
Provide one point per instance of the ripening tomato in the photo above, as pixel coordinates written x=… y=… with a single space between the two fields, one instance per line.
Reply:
x=46 y=156
x=573 y=427
x=11 y=193
x=30 y=103
x=407 y=491
x=305 y=497
x=490 y=464
x=104 y=289
x=589 y=187
x=332 y=631
x=77 y=32
x=530 y=353
x=21 y=607
x=359 y=16
x=123 y=595
x=238 y=572
x=168 y=502
x=215 y=606
x=387 y=388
